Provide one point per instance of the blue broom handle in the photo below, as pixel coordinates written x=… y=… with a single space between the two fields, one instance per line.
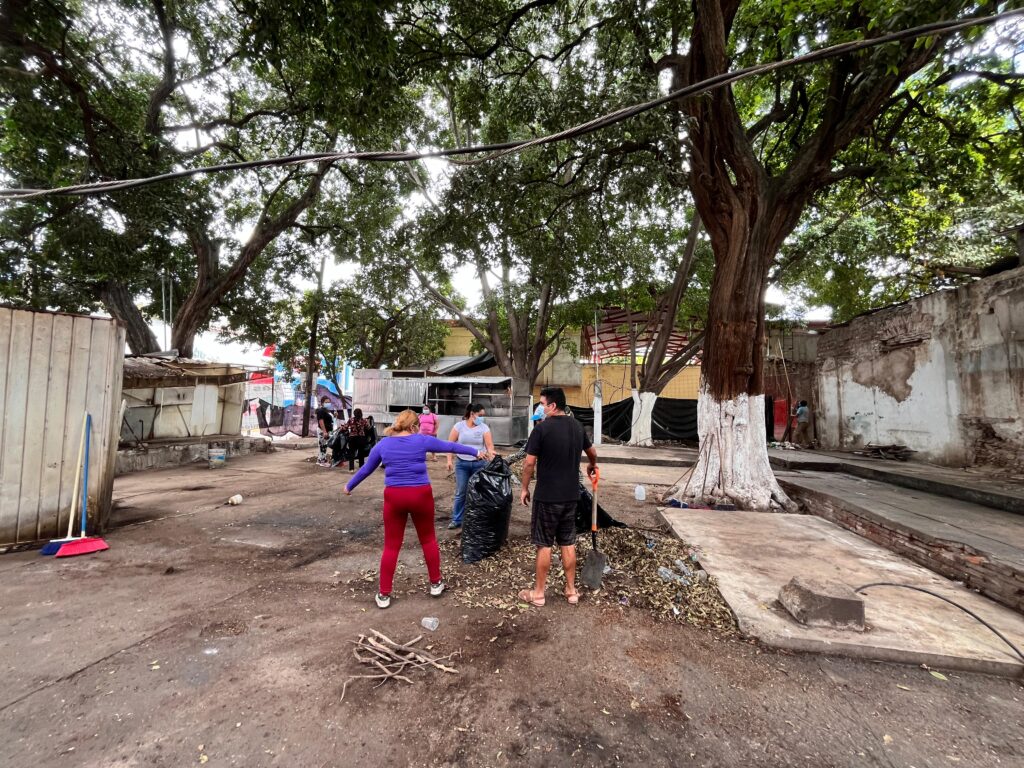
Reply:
x=85 y=474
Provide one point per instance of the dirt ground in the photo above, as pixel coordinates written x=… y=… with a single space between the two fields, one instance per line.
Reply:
x=219 y=635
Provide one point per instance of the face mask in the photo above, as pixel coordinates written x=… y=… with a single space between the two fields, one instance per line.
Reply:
x=480 y=419
x=426 y=411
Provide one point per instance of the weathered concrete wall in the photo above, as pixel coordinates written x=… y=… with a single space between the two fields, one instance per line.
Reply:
x=159 y=413
x=178 y=453
x=943 y=375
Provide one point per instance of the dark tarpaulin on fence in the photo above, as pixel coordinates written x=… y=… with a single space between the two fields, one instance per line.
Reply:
x=672 y=419
x=616 y=419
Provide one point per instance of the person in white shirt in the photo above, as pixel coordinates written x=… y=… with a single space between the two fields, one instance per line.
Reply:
x=471 y=431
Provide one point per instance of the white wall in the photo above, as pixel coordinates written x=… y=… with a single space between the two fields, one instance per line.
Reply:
x=943 y=375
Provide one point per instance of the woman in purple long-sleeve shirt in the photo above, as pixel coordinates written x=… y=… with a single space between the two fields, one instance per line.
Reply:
x=407 y=493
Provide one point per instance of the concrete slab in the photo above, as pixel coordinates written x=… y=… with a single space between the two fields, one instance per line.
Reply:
x=976 y=485
x=752 y=555
x=978 y=545
x=781 y=458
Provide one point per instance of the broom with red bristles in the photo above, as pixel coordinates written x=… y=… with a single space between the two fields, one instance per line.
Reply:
x=52 y=547
x=84 y=545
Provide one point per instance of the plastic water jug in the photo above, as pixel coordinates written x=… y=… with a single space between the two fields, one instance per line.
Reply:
x=218 y=457
x=639 y=493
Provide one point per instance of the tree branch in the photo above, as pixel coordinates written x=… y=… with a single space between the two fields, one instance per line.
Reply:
x=448 y=304
x=167 y=85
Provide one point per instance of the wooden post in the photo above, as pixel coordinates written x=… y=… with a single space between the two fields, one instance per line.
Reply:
x=312 y=351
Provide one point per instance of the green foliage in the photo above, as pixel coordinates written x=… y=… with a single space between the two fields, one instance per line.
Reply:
x=363 y=322
x=119 y=89
x=853 y=258
x=920 y=183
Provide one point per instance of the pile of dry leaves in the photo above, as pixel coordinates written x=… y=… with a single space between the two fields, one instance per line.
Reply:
x=650 y=571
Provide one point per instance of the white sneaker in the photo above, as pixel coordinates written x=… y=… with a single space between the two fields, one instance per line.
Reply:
x=383 y=601
x=437 y=589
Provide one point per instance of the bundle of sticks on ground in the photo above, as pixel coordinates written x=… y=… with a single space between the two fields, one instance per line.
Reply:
x=391 y=660
x=898 y=452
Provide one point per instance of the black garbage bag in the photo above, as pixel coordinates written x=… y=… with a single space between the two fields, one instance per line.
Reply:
x=584 y=511
x=338 y=445
x=488 y=511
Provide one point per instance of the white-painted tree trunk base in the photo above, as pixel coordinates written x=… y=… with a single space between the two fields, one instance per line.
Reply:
x=643 y=416
x=732 y=464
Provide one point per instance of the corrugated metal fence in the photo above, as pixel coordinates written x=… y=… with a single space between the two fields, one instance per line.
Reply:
x=53 y=369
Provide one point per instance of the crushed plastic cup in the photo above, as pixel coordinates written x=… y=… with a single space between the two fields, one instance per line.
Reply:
x=430 y=622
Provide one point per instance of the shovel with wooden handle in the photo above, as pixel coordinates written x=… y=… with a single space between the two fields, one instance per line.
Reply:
x=593 y=569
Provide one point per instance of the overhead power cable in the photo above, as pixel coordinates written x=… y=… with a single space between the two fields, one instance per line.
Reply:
x=494 y=151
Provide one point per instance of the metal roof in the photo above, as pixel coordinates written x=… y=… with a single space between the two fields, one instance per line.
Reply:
x=142 y=372
x=610 y=338
x=468 y=379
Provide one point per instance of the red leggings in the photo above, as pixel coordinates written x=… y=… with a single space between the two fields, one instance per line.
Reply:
x=400 y=502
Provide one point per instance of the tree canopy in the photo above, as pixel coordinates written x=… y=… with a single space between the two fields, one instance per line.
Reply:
x=850 y=182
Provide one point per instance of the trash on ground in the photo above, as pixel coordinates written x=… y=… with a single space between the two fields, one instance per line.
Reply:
x=633 y=583
x=430 y=622
x=235 y=500
x=895 y=451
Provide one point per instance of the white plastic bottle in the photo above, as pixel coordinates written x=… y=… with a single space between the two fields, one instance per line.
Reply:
x=639 y=493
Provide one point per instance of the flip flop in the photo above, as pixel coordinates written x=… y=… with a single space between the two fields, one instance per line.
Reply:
x=527 y=597
x=573 y=597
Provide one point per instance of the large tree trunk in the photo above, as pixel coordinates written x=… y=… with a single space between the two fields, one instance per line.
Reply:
x=119 y=303
x=313 y=353
x=746 y=215
x=732 y=465
x=733 y=458
x=643 y=412
x=748 y=210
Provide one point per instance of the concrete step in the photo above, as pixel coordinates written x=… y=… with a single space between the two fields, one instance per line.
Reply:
x=962 y=487
x=974 y=486
x=978 y=545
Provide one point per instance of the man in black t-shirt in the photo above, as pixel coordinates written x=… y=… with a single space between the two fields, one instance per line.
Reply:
x=324 y=426
x=554 y=450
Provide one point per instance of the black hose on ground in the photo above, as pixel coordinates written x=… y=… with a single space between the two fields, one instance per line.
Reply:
x=968 y=611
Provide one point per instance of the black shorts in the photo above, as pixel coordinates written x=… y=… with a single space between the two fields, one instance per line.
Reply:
x=553 y=522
